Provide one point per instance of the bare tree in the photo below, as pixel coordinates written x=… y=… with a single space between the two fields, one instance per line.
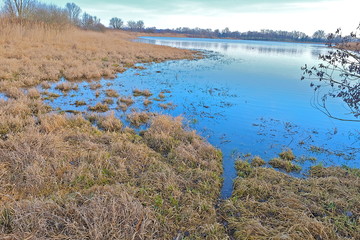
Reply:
x=319 y=35
x=140 y=25
x=73 y=12
x=338 y=75
x=89 y=22
x=19 y=8
x=50 y=14
x=116 y=23
x=132 y=25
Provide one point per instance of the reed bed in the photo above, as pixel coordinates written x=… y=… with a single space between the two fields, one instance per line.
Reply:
x=34 y=52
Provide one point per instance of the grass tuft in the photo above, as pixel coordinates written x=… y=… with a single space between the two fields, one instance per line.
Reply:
x=99 y=107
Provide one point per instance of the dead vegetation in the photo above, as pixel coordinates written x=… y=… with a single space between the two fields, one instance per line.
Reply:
x=31 y=53
x=99 y=107
x=145 y=93
x=285 y=162
x=147 y=102
x=62 y=177
x=267 y=204
x=167 y=105
x=111 y=93
x=66 y=86
x=137 y=119
x=126 y=100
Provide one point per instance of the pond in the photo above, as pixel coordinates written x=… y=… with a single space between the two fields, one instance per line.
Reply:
x=243 y=96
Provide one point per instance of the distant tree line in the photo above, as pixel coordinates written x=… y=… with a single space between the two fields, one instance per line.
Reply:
x=265 y=35
x=134 y=26
x=32 y=10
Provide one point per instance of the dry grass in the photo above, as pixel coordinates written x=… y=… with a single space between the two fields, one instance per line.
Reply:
x=110 y=123
x=167 y=105
x=145 y=93
x=126 y=100
x=111 y=93
x=64 y=178
x=45 y=85
x=80 y=103
x=99 y=107
x=286 y=165
x=67 y=177
x=353 y=46
x=35 y=53
x=108 y=101
x=66 y=86
x=147 y=102
x=284 y=161
x=267 y=204
x=139 y=118
x=33 y=93
x=161 y=95
x=95 y=86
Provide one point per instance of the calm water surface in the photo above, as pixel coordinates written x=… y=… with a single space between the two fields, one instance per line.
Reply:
x=244 y=97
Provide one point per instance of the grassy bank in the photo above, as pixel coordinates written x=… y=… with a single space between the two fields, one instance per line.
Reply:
x=267 y=204
x=64 y=178
x=86 y=176
x=31 y=53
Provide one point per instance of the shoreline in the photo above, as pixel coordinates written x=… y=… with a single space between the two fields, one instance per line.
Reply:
x=66 y=170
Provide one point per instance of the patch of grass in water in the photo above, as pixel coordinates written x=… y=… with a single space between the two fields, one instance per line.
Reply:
x=99 y=107
x=267 y=204
x=145 y=93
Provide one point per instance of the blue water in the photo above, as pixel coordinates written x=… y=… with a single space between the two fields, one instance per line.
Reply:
x=244 y=97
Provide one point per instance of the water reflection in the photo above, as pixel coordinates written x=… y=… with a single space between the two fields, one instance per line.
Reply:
x=233 y=45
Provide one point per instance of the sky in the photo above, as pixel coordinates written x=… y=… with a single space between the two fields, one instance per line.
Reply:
x=239 y=15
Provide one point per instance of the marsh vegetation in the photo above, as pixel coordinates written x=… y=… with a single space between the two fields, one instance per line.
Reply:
x=88 y=158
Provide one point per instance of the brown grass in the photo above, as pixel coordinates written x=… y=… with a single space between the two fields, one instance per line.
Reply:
x=66 y=86
x=33 y=93
x=267 y=204
x=284 y=161
x=99 y=107
x=126 y=100
x=167 y=105
x=111 y=93
x=145 y=93
x=64 y=178
x=80 y=103
x=95 y=86
x=110 y=123
x=139 y=118
x=147 y=102
x=353 y=46
x=34 y=53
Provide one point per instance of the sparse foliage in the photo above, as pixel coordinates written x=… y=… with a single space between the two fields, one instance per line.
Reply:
x=136 y=26
x=19 y=8
x=338 y=74
x=91 y=22
x=319 y=34
x=116 y=23
x=73 y=12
